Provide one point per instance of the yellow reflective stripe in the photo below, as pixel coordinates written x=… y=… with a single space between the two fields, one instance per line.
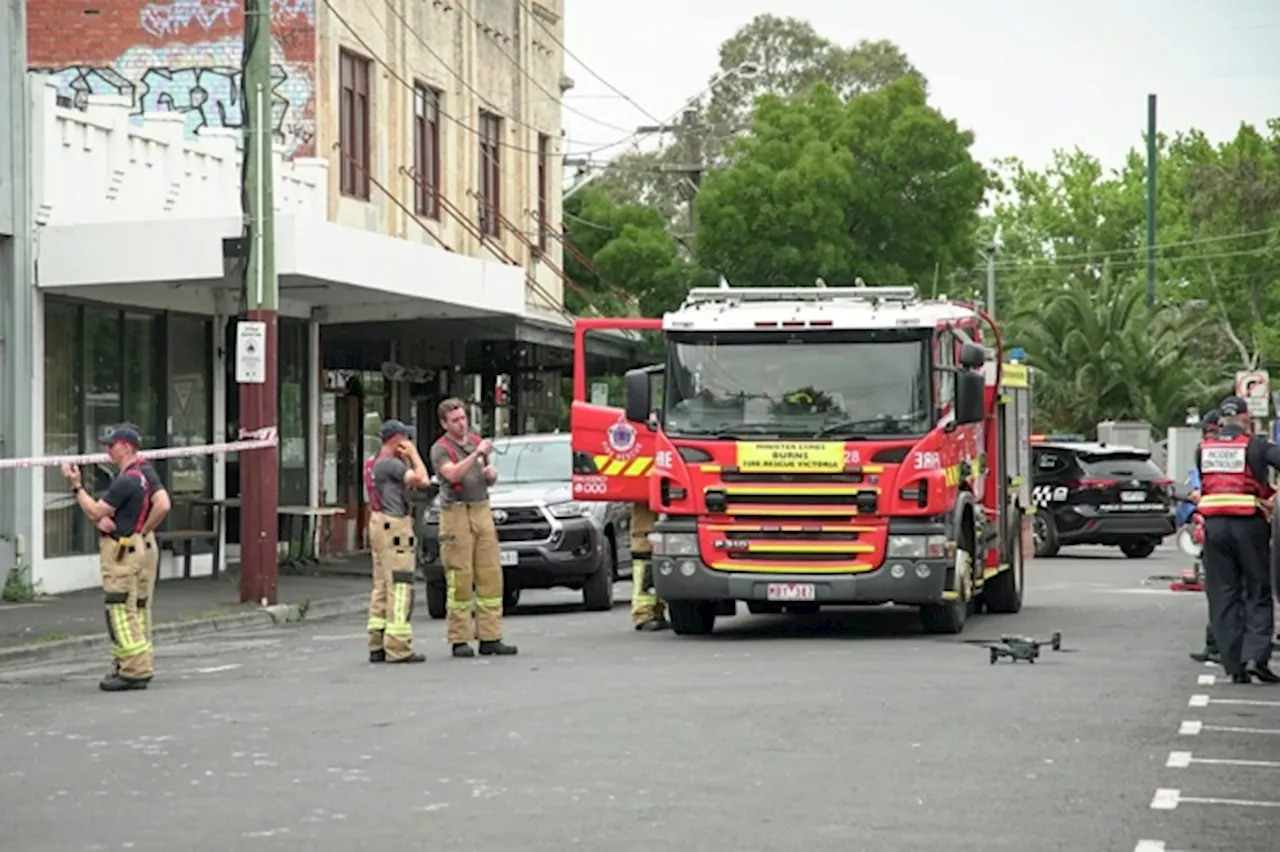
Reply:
x=614 y=467
x=400 y=604
x=451 y=594
x=1229 y=500
x=600 y=462
x=609 y=466
x=404 y=630
x=639 y=467
x=376 y=624
x=644 y=600
x=788 y=489
x=489 y=603
x=804 y=547
x=951 y=475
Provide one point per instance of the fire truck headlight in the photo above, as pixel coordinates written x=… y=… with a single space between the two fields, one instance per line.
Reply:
x=688 y=567
x=674 y=544
x=917 y=546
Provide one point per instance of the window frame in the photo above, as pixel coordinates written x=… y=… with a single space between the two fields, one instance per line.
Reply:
x=355 y=113
x=490 y=173
x=544 y=191
x=426 y=150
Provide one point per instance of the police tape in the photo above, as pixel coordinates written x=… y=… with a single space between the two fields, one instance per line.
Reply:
x=250 y=439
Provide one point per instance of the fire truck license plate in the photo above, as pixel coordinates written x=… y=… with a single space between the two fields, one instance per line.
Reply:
x=791 y=592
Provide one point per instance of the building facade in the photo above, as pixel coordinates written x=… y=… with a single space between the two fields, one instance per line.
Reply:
x=417 y=176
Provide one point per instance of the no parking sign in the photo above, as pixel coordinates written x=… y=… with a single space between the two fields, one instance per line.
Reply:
x=1255 y=387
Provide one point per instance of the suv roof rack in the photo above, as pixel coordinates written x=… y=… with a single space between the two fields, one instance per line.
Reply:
x=713 y=295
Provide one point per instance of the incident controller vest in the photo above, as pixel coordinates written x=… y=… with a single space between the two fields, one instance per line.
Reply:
x=1228 y=487
x=452 y=449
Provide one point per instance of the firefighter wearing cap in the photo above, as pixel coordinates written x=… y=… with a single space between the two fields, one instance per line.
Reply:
x=1208 y=428
x=1235 y=499
x=647 y=609
x=119 y=517
x=469 y=548
x=395 y=468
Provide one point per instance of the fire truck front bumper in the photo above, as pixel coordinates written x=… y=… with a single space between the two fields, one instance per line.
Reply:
x=904 y=580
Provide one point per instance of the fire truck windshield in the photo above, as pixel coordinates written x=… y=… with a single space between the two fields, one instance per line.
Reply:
x=753 y=384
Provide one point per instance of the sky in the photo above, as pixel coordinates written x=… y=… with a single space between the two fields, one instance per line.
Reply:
x=1025 y=77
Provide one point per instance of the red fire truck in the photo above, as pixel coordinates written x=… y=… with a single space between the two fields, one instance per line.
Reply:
x=820 y=446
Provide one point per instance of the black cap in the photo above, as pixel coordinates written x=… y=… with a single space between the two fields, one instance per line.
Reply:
x=121 y=434
x=1212 y=418
x=395 y=428
x=1233 y=406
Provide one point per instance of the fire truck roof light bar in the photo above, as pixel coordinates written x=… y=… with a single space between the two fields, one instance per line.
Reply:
x=711 y=295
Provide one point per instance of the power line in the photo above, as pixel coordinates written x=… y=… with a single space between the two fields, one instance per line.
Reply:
x=1100 y=257
x=1126 y=264
x=368 y=48
x=585 y=67
x=516 y=64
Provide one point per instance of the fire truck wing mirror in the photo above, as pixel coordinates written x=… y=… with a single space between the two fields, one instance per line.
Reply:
x=972 y=356
x=638 y=395
x=971 y=403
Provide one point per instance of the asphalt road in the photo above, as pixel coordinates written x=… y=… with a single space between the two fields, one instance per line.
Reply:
x=845 y=731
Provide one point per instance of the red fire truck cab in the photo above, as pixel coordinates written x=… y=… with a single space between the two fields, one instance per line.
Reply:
x=821 y=446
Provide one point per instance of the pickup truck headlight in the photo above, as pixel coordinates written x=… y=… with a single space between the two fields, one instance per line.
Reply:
x=569 y=510
x=917 y=546
x=674 y=544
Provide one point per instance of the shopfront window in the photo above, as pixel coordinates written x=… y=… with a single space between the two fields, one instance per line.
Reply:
x=293 y=347
x=104 y=366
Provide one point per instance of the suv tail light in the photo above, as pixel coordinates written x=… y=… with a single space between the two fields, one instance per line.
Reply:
x=1092 y=483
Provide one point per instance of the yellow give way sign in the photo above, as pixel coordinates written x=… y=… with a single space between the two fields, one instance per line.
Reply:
x=791 y=457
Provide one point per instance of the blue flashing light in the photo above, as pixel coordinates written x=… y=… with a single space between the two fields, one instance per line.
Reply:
x=1017 y=354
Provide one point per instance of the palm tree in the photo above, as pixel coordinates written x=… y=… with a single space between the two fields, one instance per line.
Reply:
x=1102 y=354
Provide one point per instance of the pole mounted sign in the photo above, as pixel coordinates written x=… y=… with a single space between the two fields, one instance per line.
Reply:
x=1255 y=387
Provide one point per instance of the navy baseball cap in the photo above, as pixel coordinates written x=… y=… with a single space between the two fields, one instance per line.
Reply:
x=395 y=428
x=1233 y=406
x=1211 y=418
x=121 y=434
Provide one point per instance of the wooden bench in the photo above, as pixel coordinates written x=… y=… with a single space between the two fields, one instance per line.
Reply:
x=188 y=538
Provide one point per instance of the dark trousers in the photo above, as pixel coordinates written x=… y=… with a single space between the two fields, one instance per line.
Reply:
x=1237 y=579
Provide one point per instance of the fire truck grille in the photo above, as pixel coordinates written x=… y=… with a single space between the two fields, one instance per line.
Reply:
x=798 y=498
x=738 y=546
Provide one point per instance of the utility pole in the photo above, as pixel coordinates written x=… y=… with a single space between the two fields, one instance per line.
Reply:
x=688 y=132
x=991 y=280
x=257 y=362
x=1152 y=154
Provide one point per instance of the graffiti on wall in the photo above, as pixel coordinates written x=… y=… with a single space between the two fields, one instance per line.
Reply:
x=184 y=56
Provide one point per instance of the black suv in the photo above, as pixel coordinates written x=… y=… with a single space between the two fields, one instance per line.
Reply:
x=1090 y=493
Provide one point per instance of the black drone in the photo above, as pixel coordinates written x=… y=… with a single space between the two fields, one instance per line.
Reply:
x=1016 y=648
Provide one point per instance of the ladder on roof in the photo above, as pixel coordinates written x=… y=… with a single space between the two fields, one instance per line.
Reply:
x=726 y=295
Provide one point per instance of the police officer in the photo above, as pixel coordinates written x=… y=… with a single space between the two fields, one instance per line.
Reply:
x=1208 y=428
x=647 y=610
x=119 y=517
x=469 y=547
x=395 y=468
x=1234 y=497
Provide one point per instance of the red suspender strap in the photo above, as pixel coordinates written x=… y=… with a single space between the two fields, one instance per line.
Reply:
x=135 y=470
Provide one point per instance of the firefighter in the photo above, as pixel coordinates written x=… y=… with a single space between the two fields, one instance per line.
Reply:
x=1234 y=500
x=119 y=517
x=1208 y=429
x=646 y=607
x=395 y=468
x=469 y=547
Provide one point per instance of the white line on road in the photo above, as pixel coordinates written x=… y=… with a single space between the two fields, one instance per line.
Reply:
x=1192 y=728
x=1183 y=759
x=1152 y=846
x=1206 y=680
x=330 y=637
x=216 y=669
x=1205 y=701
x=1167 y=800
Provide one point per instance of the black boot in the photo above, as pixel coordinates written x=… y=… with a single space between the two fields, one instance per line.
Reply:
x=412 y=658
x=377 y=656
x=653 y=625
x=497 y=648
x=119 y=683
x=1206 y=656
x=462 y=649
x=1260 y=672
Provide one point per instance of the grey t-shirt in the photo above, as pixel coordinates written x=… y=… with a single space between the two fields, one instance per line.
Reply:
x=388 y=481
x=474 y=488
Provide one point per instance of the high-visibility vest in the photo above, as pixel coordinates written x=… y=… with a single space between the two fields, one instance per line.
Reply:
x=452 y=449
x=1227 y=486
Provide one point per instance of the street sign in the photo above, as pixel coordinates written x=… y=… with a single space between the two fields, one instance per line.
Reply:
x=1255 y=387
x=251 y=352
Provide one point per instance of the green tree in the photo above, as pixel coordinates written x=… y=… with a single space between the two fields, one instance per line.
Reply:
x=633 y=268
x=881 y=186
x=790 y=57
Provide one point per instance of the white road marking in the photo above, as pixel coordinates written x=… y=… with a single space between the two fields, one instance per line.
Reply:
x=1206 y=680
x=1183 y=759
x=216 y=669
x=1191 y=728
x=333 y=637
x=1167 y=799
x=1152 y=846
x=1205 y=701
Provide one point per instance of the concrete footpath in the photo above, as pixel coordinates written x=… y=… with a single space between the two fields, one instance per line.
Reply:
x=64 y=626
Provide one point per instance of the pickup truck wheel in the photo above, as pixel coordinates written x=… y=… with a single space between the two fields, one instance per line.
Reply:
x=692 y=618
x=597 y=591
x=510 y=598
x=436 y=600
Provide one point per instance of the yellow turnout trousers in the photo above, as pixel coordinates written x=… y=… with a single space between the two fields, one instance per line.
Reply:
x=645 y=605
x=391 y=605
x=147 y=583
x=470 y=555
x=121 y=563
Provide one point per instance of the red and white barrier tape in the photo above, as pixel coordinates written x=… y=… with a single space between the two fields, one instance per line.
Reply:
x=250 y=439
